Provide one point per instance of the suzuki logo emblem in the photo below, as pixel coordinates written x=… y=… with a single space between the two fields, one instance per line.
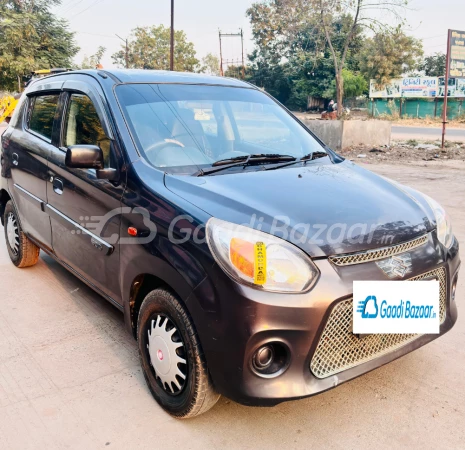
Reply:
x=396 y=266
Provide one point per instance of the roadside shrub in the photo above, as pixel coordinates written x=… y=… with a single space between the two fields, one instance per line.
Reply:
x=461 y=118
x=393 y=109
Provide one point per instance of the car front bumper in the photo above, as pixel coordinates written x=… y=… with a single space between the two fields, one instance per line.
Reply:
x=233 y=321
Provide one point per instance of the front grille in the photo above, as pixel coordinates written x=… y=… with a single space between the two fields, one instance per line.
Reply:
x=339 y=349
x=374 y=255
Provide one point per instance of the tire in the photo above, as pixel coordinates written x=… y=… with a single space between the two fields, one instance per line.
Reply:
x=161 y=313
x=23 y=252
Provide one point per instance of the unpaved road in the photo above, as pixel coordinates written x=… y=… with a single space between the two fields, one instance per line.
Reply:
x=426 y=133
x=70 y=377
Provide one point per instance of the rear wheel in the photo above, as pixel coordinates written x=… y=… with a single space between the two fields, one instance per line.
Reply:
x=171 y=357
x=23 y=252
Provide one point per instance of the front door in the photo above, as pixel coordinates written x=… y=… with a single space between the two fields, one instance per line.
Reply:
x=84 y=210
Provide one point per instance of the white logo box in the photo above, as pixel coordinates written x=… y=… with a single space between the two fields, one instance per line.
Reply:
x=396 y=307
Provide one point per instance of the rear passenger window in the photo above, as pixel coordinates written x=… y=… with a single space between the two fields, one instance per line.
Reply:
x=43 y=114
x=83 y=126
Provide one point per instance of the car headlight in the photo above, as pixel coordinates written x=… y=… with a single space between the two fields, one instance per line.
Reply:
x=259 y=259
x=444 y=227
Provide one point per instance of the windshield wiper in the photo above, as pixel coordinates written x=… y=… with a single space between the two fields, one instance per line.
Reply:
x=310 y=157
x=244 y=161
x=223 y=162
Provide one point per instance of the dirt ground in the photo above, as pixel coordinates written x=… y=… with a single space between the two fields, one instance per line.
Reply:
x=70 y=376
x=429 y=122
x=407 y=151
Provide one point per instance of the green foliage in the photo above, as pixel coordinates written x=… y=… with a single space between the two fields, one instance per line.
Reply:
x=314 y=41
x=235 y=71
x=276 y=24
x=388 y=55
x=434 y=65
x=355 y=85
x=210 y=64
x=91 y=62
x=293 y=62
x=32 y=38
x=266 y=74
x=149 y=48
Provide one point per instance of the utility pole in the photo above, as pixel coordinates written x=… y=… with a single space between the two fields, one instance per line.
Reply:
x=232 y=61
x=242 y=45
x=172 y=37
x=126 y=53
x=446 y=89
x=221 y=56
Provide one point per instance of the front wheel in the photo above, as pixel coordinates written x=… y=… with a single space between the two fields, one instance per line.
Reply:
x=23 y=252
x=171 y=357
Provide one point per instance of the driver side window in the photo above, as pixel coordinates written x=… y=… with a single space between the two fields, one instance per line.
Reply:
x=83 y=126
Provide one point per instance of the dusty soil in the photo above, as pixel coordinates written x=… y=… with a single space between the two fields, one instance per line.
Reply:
x=429 y=122
x=408 y=151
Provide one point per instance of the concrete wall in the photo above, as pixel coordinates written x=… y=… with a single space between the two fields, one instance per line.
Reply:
x=366 y=132
x=329 y=131
x=339 y=134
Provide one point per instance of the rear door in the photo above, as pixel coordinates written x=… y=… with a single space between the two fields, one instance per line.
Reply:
x=27 y=149
x=85 y=211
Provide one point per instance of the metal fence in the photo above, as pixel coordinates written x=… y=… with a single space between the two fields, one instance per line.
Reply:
x=417 y=108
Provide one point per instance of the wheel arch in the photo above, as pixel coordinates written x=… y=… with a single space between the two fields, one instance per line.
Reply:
x=141 y=286
x=4 y=199
x=160 y=265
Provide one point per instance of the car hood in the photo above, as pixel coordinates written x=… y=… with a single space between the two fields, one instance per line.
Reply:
x=323 y=208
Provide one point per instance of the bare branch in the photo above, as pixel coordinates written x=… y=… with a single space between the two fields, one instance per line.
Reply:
x=328 y=38
x=351 y=34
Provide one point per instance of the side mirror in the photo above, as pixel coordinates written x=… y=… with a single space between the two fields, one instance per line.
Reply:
x=90 y=157
x=84 y=157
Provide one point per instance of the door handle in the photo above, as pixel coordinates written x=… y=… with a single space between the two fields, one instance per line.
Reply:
x=15 y=159
x=58 y=186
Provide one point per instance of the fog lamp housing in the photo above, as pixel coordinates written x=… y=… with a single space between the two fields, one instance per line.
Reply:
x=270 y=360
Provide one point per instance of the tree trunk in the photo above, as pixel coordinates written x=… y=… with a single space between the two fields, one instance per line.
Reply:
x=19 y=84
x=339 y=92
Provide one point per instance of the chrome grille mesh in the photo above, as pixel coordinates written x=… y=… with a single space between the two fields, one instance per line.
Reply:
x=374 y=255
x=339 y=349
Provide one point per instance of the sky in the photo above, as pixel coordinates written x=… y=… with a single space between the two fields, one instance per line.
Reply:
x=97 y=21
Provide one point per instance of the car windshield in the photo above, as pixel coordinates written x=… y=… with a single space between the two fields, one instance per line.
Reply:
x=185 y=128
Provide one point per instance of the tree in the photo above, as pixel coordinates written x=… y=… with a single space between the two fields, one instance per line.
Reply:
x=312 y=57
x=275 y=34
x=364 y=14
x=265 y=73
x=210 y=64
x=235 y=71
x=285 y=37
x=388 y=55
x=355 y=85
x=286 y=18
x=434 y=65
x=149 y=48
x=92 y=61
x=32 y=38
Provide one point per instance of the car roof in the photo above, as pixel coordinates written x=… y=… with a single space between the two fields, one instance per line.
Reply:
x=159 y=76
